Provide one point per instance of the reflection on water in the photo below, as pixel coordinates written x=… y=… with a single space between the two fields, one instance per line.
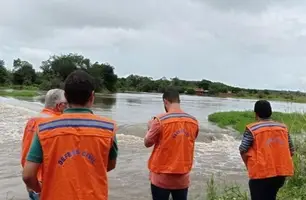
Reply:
x=105 y=102
x=132 y=101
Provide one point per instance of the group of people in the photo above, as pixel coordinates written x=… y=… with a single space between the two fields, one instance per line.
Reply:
x=67 y=150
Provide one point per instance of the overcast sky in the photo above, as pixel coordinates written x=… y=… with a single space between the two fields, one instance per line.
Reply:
x=247 y=43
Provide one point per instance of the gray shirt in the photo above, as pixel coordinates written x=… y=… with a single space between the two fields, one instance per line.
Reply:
x=247 y=142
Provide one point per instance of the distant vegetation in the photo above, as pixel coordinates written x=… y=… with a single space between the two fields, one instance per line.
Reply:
x=53 y=72
x=296 y=122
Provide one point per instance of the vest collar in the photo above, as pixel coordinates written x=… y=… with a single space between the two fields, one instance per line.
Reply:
x=78 y=110
x=50 y=112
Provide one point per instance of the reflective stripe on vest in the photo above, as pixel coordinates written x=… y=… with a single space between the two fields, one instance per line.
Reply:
x=176 y=115
x=73 y=122
x=266 y=124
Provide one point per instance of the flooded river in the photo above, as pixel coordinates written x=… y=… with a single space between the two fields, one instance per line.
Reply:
x=216 y=149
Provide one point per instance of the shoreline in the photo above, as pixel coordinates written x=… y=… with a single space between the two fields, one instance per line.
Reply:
x=10 y=92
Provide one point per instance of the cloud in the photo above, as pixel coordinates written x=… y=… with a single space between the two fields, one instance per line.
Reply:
x=258 y=44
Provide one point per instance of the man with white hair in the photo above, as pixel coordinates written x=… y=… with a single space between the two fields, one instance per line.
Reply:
x=55 y=104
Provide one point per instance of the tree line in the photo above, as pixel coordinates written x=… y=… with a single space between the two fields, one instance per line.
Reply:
x=54 y=71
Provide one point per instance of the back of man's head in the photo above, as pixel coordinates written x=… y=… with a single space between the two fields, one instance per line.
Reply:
x=263 y=109
x=79 y=88
x=171 y=95
x=54 y=97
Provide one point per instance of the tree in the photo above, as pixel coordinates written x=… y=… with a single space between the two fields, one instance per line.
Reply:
x=109 y=77
x=162 y=84
x=190 y=91
x=236 y=90
x=23 y=73
x=175 y=81
x=204 y=84
x=63 y=65
x=96 y=70
x=3 y=73
x=104 y=76
x=215 y=88
x=56 y=69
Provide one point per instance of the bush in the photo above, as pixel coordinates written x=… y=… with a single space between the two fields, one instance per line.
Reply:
x=190 y=91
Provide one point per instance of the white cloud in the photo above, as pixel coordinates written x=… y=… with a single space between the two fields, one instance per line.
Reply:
x=247 y=43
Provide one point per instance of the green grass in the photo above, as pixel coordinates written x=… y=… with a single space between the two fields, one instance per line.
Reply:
x=19 y=93
x=294 y=188
x=296 y=122
x=19 y=87
x=228 y=192
x=297 y=99
x=278 y=96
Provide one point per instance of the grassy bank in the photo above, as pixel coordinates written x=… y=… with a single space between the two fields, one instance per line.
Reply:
x=29 y=91
x=294 y=188
x=19 y=93
x=285 y=96
x=296 y=122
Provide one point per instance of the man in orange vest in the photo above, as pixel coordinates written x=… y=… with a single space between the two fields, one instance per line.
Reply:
x=267 y=151
x=173 y=135
x=77 y=148
x=55 y=103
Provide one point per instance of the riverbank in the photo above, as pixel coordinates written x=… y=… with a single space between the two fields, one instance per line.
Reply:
x=296 y=122
x=32 y=91
x=293 y=99
x=296 y=97
x=18 y=93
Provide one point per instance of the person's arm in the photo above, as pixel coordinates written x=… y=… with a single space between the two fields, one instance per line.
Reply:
x=113 y=154
x=291 y=147
x=24 y=140
x=246 y=143
x=34 y=160
x=197 y=134
x=153 y=133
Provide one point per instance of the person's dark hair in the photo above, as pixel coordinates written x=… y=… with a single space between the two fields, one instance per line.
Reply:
x=78 y=87
x=172 y=95
x=263 y=109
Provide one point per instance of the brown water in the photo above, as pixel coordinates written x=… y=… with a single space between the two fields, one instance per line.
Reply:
x=216 y=149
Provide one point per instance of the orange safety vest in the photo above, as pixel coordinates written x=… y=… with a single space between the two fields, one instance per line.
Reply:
x=76 y=150
x=174 y=152
x=269 y=155
x=29 y=132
